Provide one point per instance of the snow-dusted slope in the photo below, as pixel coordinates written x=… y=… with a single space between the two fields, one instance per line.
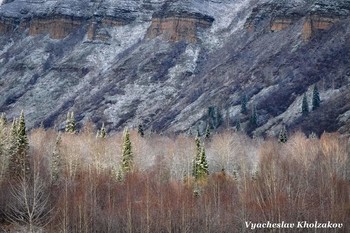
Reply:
x=163 y=63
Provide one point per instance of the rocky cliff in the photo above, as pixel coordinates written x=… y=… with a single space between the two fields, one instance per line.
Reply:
x=178 y=26
x=176 y=65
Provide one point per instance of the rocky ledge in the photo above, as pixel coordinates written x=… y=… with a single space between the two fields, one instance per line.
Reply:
x=316 y=17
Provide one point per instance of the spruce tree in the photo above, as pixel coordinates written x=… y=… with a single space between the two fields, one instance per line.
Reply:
x=195 y=163
x=254 y=117
x=282 y=136
x=56 y=160
x=207 y=132
x=214 y=117
x=19 y=159
x=67 y=129
x=244 y=101
x=102 y=132
x=238 y=125
x=315 y=98
x=305 y=106
x=140 y=130
x=70 y=123
x=202 y=171
x=22 y=134
x=13 y=136
x=127 y=155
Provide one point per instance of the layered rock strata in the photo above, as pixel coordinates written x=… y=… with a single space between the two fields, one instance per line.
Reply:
x=57 y=27
x=178 y=27
x=317 y=23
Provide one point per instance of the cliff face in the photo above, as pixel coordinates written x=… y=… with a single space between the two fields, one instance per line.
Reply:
x=317 y=23
x=178 y=27
x=316 y=18
x=176 y=65
x=56 y=27
x=279 y=24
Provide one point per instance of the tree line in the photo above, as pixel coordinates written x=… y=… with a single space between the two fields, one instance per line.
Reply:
x=90 y=181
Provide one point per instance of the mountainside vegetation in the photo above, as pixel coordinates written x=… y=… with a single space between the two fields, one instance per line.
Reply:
x=125 y=182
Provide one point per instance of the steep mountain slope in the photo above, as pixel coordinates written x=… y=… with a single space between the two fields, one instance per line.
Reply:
x=163 y=63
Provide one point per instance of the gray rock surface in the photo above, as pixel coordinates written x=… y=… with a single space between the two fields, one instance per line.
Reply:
x=123 y=78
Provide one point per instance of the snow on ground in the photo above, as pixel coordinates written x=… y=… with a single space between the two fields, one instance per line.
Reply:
x=122 y=38
x=188 y=62
x=227 y=19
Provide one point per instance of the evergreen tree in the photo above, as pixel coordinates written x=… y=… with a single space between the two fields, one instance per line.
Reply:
x=313 y=135
x=254 y=117
x=202 y=171
x=238 y=125
x=120 y=176
x=197 y=158
x=67 y=129
x=282 y=136
x=19 y=159
x=127 y=155
x=315 y=98
x=214 y=117
x=200 y=164
x=207 y=132
x=13 y=136
x=56 y=161
x=305 y=106
x=102 y=132
x=22 y=134
x=70 y=123
x=244 y=101
x=140 y=130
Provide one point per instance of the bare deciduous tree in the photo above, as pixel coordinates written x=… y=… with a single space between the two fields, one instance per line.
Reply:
x=29 y=204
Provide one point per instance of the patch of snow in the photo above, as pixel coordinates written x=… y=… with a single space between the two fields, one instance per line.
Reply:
x=188 y=62
x=6 y=47
x=122 y=38
x=227 y=20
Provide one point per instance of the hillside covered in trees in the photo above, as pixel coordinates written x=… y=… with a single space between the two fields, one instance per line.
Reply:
x=134 y=182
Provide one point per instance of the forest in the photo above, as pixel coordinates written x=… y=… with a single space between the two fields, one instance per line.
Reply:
x=131 y=181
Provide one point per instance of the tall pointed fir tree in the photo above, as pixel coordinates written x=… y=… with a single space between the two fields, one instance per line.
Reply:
x=56 y=160
x=315 y=98
x=13 y=136
x=207 y=131
x=253 y=117
x=70 y=123
x=127 y=155
x=305 y=106
x=238 y=125
x=282 y=136
x=244 y=101
x=19 y=157
x=195 y=162
x=140 y=130
x=102 y=132
x=202 y=170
